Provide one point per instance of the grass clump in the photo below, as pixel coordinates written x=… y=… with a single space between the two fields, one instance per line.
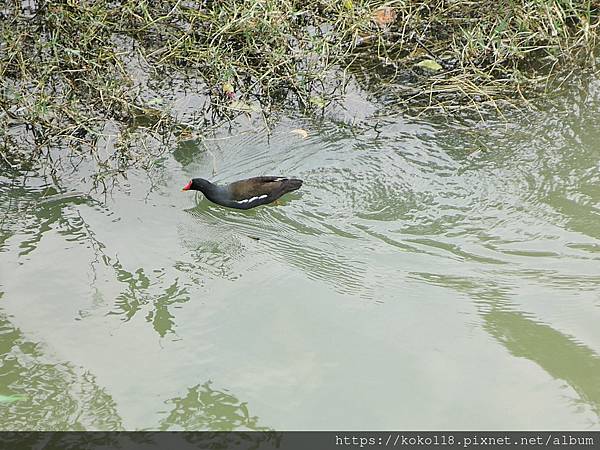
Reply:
x=486 y=52
x=70 y=70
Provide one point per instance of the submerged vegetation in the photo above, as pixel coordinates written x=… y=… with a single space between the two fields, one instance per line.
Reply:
x=73 y=72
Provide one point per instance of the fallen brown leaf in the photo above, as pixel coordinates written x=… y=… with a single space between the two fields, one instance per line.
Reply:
x=384 y=16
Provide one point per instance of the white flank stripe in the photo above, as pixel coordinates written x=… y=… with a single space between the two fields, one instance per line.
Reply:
x=250 y=200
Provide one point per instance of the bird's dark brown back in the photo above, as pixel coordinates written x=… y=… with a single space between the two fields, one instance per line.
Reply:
x=271 y=186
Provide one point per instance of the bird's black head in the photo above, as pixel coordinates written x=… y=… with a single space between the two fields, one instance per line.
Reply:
x=198 y=184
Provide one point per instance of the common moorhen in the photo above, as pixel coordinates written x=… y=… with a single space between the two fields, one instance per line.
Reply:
x=245 y=194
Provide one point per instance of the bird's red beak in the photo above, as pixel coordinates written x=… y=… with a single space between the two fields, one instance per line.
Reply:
x=187 y=186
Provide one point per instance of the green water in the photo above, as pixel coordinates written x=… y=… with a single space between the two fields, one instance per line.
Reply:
x=429 y=275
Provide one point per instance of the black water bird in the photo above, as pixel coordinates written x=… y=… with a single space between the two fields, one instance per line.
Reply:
x=245 y=194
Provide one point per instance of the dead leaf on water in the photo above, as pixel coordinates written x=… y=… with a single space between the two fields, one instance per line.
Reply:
x=429 y=64
x=300 y=132
x=384 y=16
x=318 y=101
x=227 y=88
